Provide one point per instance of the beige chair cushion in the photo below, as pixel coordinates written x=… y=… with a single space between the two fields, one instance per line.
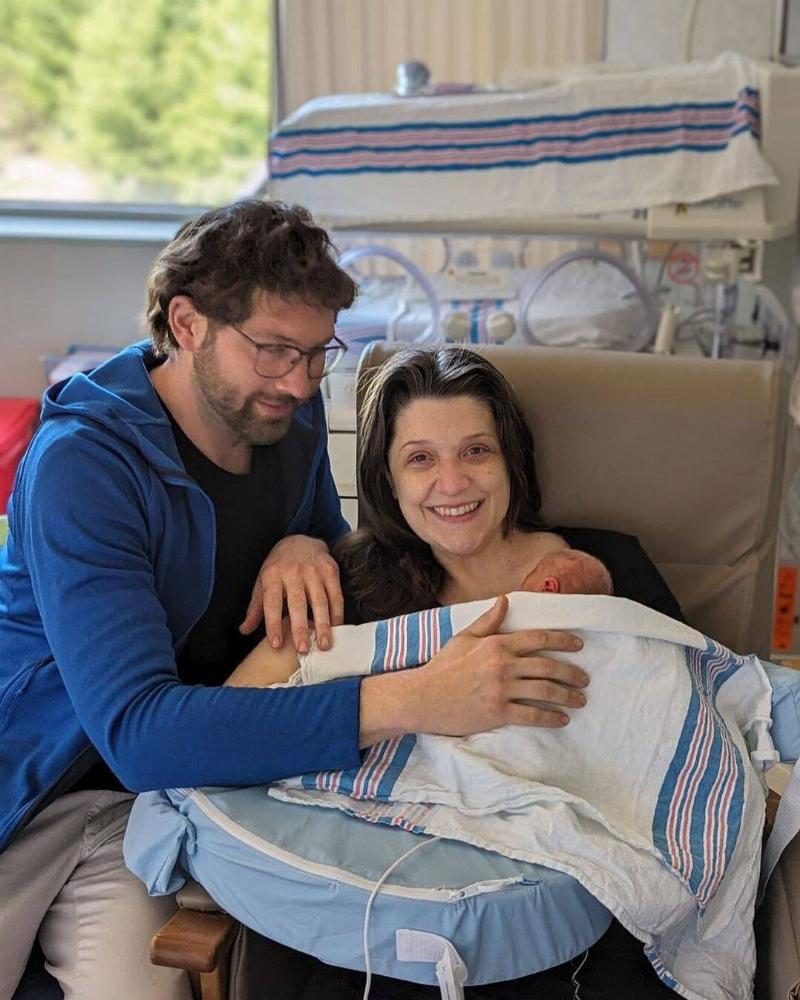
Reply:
x=683 y=452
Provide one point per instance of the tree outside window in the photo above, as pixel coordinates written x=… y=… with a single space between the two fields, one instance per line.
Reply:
x=132 y=100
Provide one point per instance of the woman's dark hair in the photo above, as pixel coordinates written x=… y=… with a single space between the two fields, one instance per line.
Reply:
x=221 y=258
x=387 y=568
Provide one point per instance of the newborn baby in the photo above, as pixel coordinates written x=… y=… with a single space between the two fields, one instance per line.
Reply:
x=564 y=571
x=568 y=571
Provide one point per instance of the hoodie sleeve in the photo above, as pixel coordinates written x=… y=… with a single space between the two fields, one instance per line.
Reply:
x=83 y=515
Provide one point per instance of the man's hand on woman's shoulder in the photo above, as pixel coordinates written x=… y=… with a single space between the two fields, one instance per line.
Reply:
x=300 y=571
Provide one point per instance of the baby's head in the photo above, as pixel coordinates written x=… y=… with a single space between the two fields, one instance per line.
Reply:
x=568 y=571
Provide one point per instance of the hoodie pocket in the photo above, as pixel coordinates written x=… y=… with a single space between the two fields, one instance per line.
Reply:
x=17 y=685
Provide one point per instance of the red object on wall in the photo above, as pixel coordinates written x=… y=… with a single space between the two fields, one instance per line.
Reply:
x=18 y=419
x=785 y=603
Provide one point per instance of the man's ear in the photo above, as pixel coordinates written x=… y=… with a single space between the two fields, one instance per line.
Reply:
x=189 y=327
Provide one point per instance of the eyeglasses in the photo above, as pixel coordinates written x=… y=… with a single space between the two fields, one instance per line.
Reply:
x=277 y=360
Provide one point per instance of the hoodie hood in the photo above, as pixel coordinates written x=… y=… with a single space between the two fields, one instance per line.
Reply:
x=120 y=396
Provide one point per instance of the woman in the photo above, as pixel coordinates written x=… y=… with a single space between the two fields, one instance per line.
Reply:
x=449 y=506
x=441 y=431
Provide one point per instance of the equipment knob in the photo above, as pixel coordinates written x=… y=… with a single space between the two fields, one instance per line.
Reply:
x=456 y=325
x=500 y=327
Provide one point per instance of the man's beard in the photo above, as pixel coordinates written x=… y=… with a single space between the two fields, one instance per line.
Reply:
x=242 y=417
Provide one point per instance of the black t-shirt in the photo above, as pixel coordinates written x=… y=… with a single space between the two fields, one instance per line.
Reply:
x=251 y=517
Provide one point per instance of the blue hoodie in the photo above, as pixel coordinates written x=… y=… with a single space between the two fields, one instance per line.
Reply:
x=108 y=565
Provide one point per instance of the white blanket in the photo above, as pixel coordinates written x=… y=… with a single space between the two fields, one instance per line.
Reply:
x=612 y=142
x=650 y=797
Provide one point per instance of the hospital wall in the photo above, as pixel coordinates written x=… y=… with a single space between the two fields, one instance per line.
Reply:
x=652 y=32
x=54 y=293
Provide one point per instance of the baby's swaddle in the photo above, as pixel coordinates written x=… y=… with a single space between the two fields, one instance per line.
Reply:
x=649 y=797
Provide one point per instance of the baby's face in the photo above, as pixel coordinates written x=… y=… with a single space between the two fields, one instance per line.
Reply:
x=568 y=572
x=550 y=576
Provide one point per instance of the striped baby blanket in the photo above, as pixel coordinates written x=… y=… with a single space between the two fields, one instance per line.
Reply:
x=651 y=797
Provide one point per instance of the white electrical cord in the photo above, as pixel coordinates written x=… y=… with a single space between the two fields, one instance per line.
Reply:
x=367 y=913
x=577 y=994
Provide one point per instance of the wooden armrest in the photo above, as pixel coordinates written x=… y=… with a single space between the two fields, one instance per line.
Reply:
x=194 y=941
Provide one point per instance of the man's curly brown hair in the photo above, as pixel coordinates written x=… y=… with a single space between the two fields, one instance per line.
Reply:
x=221 y=258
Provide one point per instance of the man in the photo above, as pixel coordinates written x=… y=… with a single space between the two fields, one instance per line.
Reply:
x=154 y=493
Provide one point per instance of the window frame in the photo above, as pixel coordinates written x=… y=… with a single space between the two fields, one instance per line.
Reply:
x=92 y=221
x=150 y=222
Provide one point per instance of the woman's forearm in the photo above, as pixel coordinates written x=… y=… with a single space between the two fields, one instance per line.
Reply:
x=264 y=665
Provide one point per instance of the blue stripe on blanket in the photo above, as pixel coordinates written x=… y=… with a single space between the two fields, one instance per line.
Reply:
x=381 y=641
x=445 y=623
x=382 y=765
x=699 y=809
x=636 y=109
x=512 y=164
x=474 y=319
x=394 y=767
x=409 y=640
x=660 y=968
x=482 y=145
x=411 y=645
x=526 y=143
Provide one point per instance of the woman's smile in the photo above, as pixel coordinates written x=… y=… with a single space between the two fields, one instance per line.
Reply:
x=461 y=513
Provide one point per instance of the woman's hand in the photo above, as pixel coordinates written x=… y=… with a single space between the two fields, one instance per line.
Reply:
x=480 y=680
x=301 y=571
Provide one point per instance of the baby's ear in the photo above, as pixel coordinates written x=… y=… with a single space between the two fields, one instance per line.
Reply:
x=551 y=585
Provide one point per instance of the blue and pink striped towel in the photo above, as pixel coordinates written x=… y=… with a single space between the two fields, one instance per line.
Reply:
x=683 y=133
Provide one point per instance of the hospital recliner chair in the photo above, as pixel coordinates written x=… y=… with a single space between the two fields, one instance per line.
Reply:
x=686 y=454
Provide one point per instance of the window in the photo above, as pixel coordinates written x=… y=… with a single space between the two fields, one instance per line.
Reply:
x=133 y=101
